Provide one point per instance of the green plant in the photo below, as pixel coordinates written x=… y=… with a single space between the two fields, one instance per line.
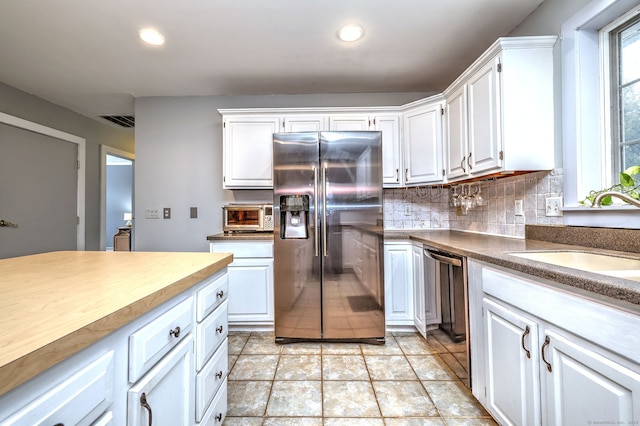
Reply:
x=627 y=185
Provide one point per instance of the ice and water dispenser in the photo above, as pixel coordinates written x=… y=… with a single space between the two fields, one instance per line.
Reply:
x=294 y=216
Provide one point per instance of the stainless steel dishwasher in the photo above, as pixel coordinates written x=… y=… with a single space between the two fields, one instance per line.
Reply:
x=451 y=277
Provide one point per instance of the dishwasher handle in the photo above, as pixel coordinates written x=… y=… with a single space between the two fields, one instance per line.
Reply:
x=443 y=258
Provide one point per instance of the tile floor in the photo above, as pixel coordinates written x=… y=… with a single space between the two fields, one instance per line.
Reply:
x=408 y=381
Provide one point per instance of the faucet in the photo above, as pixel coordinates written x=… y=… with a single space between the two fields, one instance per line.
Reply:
x=625 y=197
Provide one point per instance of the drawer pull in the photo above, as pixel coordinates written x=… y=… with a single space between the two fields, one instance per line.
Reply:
x=143 y=402
x=59 y=424
x=175 y=332
x=219 y=374
x=220 y=294
x=524 y=335
x=219 y=417
x=219 y=329
x=546 y=343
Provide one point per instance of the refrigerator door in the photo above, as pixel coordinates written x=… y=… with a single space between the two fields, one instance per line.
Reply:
x=351 y=194
x=297 y=272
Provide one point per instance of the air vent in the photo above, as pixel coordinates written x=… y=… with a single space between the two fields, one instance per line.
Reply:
x=121 y=120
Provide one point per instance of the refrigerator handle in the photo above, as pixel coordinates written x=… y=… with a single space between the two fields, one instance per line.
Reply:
x=316 y=242
x=324 y=209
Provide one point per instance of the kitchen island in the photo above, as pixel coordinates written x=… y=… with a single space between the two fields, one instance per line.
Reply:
x=56 y=305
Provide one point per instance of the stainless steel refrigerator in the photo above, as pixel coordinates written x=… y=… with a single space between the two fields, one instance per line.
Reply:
x=328 y=243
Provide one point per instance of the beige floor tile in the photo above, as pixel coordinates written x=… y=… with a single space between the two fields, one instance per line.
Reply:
x=261 y=345
x=341 y=349
x=389 y=348
x=232 y=361
x=453 y=399
x=291 y=398
x=414 y=421
x=247 y=398
x=254 y=367
x=392 y=367
x=242 y=421
x=299 y=367
x=487 y=421
x=352 y=421
x=417 y=345
x=237 y=342
x=430 y=367
x=344 y=367
x=292 y=421
x=307 y=348
x=403 y=398
x=339 y=399
x=455 y=365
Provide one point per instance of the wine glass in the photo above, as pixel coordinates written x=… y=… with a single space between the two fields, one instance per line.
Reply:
x=478 y=196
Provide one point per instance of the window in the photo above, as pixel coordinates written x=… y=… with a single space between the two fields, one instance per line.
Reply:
x=625 y=94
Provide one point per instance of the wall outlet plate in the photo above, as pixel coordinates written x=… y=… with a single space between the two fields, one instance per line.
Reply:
x=407 y=209
x=519 y=208
x=553 y=206
x=151 y=214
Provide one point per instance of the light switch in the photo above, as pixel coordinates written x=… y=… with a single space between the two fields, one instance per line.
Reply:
x=193 y=212
x=166 y=213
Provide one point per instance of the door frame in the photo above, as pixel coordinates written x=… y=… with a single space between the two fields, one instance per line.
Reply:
x=104 y=151
x=67 y=137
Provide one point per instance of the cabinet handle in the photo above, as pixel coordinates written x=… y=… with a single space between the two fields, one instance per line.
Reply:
x=220 y=294
x=219 y=374
x=462 y=164
x=143 y=402
x=219 y=329
x=469 y=162
x=406 y=175
x=524 y=335
x=59 y=424
x=219 y=417
x=397 y=175
x=546 y=343
x=175 y=332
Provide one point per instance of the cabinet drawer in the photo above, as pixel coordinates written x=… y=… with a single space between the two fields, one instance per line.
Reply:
x=245 y=248
x=208 y=381
x=217 y=412
x=210 y=334
x=106 y=420
x=78 y=400
x=154 y=340
x=211 y=296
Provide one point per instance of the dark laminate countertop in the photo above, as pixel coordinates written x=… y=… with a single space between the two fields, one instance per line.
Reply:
x=614 y=291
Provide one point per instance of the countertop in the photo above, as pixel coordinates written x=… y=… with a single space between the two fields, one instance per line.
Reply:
x=52 y=305
x=242 y=236
x=618 y=292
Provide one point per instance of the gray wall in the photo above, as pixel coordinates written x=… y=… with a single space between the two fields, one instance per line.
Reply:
x=37 y=110
x=179 y=161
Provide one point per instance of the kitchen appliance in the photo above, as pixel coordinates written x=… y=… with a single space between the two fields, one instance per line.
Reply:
x=451 y=277
x=325 y=183
x=247 y=218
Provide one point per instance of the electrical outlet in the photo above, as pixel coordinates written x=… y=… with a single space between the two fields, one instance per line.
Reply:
x=166 y=213
x=407 y=210
x=553 y=206
x=518 y=208
x=151 y=214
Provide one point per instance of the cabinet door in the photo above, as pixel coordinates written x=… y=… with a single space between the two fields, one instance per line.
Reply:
x=431 y=291
x=485 y=141
x=419 y=311
x=398 y=284
x=457 y=144
x=306 y=123
x=389 y=125
x=248 y=151
x=423 y=145
x=251 y=291
x=165 y=394
x=586 y=384
x=511 y=365
x=343 y=123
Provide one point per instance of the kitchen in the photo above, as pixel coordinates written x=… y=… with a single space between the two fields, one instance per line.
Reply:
x=164 y=181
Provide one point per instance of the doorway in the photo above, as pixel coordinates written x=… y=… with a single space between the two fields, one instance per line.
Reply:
x=117 y=201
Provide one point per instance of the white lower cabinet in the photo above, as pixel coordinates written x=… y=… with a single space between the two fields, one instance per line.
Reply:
x=398 y=283
x=419 y=299
x=161 y=368
x=164 y=395
x=250 y=281
x=545 y=356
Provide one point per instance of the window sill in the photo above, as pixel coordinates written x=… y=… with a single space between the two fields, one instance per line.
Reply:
x=616 y=216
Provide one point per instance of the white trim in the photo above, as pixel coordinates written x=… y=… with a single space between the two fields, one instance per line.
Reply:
x=104 y=151
x=68 y=137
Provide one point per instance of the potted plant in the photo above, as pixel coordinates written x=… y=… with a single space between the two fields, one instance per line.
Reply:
x=627 y=186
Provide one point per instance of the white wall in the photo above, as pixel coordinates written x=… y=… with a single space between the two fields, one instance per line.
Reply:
x=179 y=161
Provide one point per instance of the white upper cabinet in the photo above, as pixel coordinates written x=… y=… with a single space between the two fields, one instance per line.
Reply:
x=422 y=144
x=389 y=125
x=500 y=111
x=305 y=123
x=248 y=150
x=348 y=122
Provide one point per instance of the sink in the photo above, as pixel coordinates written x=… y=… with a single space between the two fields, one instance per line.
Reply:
x=614 y=266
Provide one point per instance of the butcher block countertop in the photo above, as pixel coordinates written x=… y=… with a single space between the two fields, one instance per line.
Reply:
x=52 y=305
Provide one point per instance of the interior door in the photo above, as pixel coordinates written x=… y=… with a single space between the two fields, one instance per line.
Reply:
x=38 y=193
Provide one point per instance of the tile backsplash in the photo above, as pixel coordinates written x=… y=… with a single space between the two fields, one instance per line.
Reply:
x=429 y=208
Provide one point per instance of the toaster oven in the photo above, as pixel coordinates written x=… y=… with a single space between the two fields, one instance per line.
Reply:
x=247 y=218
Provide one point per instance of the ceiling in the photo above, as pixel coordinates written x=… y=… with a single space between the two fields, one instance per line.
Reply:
x=86 y=56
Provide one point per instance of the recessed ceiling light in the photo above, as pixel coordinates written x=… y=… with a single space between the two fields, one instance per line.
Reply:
x=151 y=36
x=350 y=33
